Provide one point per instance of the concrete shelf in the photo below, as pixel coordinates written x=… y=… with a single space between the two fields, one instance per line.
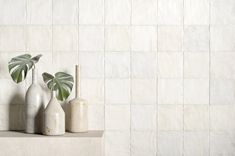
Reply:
x=92 y=134
x=16 y=143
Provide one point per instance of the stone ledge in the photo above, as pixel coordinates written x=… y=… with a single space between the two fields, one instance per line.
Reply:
x=18 y=143
x=92 y=134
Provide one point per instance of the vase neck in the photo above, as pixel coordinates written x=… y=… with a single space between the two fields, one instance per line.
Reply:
x=77 y=71
x=53 y=94
x=34 y=75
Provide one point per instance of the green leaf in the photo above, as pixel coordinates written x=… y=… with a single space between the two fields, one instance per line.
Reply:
x=62 y=83
x=36 y=58
x=48 y=79
x=20 y=65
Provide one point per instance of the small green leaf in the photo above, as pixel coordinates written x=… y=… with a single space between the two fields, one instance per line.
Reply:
x=62 y=83
x=20 y=65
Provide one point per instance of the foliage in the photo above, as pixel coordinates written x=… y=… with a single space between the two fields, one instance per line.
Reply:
x=62 y=83
x=19 y=66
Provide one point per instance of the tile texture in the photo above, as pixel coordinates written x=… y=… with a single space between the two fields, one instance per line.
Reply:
x=158 y=74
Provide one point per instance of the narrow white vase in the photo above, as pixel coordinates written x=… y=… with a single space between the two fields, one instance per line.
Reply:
x=54 y=117
x=33 y=109
x=78 y=116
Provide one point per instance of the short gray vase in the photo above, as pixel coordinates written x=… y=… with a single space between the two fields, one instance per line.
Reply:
x=54 y=117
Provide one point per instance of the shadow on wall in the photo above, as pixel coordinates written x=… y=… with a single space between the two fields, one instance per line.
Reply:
x=15 y=114
x=17 y=108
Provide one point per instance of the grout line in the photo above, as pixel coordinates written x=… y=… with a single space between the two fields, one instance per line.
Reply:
x=52 y=35
x=183 y=20
x=104 y=79
x=26 y=27
x=117 y=25
x=157 y=80
x=113 y=51
x=26 y=37
x=78 y=54
x=209 y=135
x=130 y=74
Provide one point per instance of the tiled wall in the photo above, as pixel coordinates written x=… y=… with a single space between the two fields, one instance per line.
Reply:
x=158 y=74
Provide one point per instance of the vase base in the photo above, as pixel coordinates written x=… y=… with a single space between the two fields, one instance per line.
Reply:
x=54 y=134
x=74 y=131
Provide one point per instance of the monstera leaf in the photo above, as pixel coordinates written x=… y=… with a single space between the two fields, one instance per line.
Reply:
x=62 y=83
x=20 y=65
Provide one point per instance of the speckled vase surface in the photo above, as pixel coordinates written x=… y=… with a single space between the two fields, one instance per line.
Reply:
x=54 y=117
x=78 y=115
x=33 y=109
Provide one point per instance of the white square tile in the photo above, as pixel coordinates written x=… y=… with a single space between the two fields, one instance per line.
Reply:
x=143 y=117
x=11 y=117
x=222 y=12
x=91 y=11
x=117 y=91
x=144 y=91
x=39 y=38
x=196 y=91
x=40 y=12
x=92 y=90
x=196 y=12
x=117 y=117
x=117 y=38
x=65 y=38
x=170 y=117
x=71 y=60
x=170 y=12
x=170 y=144
x=65 y=12
x=117 y=65
x=117 y=12
x=44 y=65
x=196 y=117
x=222 y=38
x=170 y=91
x=5 y=58
x=196 y=39
x=223 y=65
x=222 y=91
x=144 y=38
x=13 y=12
x=117 y=143
x=143 y=143
x=96 y=117
x=4 y=118
x=222 y=143
x=91 y=38
x=16 y=117
x=170 y=65
x=170 y=38
x=196 y=143
x=12 y=39
x=221 y=117
x=92 y=65
x=196 y=65
x=144 y=65
x=12 y=93
x=144 y=12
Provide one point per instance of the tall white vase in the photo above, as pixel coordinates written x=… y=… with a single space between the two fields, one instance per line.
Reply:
x=54 y=117
x=77 y=115
x=34 y=106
